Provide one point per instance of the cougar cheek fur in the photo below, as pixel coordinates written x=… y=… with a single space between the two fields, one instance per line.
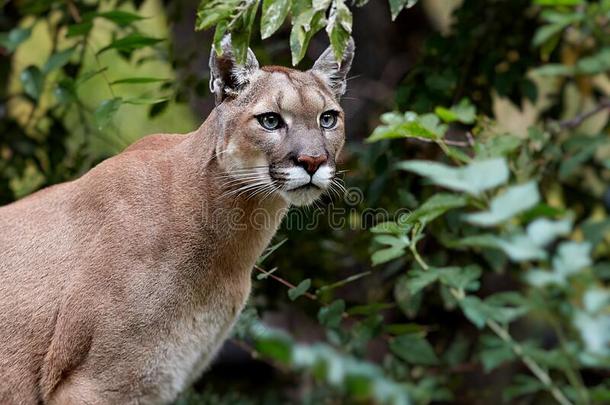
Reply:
x=119 y=287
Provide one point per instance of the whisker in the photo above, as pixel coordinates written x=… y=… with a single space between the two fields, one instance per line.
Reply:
x=270 y=192
x=341 y=190
x=260 y=190
x=243 y=173
x=333 y=189
x=239 y=191
x=244 y=178
x=249 y=168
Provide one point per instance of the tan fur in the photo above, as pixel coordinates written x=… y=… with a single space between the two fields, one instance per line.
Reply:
x=120 y=286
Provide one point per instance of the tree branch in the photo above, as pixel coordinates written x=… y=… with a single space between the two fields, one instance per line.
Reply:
x=579 y=119
x=284 y=282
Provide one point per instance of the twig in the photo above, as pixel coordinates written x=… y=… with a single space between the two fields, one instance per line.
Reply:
x=470 y=138
x=538 y=371
x=579 y=119
x=74 y=11
x=284 y=282
x=503 y=334
x=345 y=281
x=445 y=141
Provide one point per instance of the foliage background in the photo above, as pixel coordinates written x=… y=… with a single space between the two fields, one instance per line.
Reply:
x=493 y=288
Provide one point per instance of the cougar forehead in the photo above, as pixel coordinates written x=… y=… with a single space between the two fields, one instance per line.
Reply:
x=280 y=88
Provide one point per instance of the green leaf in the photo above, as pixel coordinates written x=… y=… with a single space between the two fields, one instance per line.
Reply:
x=211 y=13
x=339 y=28
x=89 y=75
x=119 y=17
x=546 y=32
x=562 y=16
x=104 y=113
x=475 y=310
x=138 y=80
x=219 y=34
x=494 y=352
x=330 y=316
x=32 y=81
x=419 y=279
x=507 y=306
x=240 y=36
x=391 y=227
x=497 y=146
x=513 y=201
x=518 y=247
x=596 y=231
x=320 y=5
x=76 y=30
x=474 y=178
x=544 y=231
x=275 y=347
x=402 y=241
x=554 y=69
x=408 y=125
x=396 y=6
x=463 y=112
x=462 y=278
x=558 y=2
x=594 y=64
x=543 y=278
x=594 y=332
x=274 y=14
x=130 y=42
x=572 y=257
x=145 y=100
x=299 y=290
x=65 y=91
x=436 y=206
x=408 y=303
x=385 y=255
x=15 y=37
x=501 y=307
x=304 y=26
x=521 y=248
x=457 y=353
x=58 y=60
x=596 y=300
x=414 y=349
x=570 y=165
x=522 y=385
x=369 y=309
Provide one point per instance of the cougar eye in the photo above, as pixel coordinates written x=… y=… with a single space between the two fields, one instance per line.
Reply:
x=270 y=121
x=328 y=119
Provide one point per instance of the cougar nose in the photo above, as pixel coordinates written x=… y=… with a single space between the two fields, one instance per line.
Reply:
x=311 y=163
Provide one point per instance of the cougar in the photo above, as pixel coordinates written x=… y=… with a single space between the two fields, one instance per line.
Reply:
x=120 y=286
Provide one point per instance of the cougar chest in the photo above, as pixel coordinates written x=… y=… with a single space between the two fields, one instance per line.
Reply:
x=194 y=338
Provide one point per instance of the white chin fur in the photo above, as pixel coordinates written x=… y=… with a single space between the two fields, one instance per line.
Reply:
x=303 y=196
x=298 y=177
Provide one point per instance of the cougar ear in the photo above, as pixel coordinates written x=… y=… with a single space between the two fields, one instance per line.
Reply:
x=334 y=72
x=227 y=77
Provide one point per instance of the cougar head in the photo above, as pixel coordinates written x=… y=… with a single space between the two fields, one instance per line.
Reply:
x=281 y=129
